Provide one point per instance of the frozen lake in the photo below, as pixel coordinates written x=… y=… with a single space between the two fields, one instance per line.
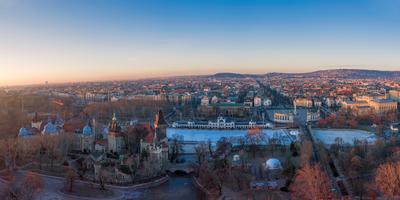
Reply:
x=328 y=136
x=193 y=136
x=283 y=136
x=203 y=135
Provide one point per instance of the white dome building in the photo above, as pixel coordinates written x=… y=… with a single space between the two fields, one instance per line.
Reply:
x=236 y=157
x=50 y=129
x=273 y=164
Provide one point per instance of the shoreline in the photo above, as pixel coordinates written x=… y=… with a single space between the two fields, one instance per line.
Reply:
x=199 y=186
x=153 y=183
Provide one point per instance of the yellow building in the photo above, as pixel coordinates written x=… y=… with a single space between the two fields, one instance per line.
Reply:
x=368 y=99
x=381 y=106
x=367 y=105
x=303 y=102
x=354 y=104
x=283 y=117
x=394 y=95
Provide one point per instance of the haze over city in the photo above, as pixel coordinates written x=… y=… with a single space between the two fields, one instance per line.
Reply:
x=71 y=40
x=199 y=99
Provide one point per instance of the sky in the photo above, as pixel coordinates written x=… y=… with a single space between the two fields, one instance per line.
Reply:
x=89 y=40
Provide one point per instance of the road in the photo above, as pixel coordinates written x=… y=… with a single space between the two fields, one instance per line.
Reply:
x=53 y=185
x=172 y=187
x=325 y=165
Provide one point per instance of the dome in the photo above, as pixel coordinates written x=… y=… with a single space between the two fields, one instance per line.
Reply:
x=49 y=129
x=236 y=157
x=23 y=132
x=87 y=130
x=272 y=164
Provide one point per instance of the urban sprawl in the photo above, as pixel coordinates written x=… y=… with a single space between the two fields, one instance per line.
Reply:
x=234 y=135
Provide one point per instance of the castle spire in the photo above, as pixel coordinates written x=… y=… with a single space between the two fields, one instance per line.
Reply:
x=114 y=117
x=114 y=123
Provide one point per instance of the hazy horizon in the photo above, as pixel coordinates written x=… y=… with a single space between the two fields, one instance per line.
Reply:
x=181 y=75
x=71 y=41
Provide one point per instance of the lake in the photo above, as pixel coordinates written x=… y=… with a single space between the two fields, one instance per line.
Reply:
x=178 y=187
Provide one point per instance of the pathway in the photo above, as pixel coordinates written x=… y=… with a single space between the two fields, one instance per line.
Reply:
x=53 y=185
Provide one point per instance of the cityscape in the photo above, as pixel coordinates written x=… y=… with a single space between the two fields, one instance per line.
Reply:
x=224 y=100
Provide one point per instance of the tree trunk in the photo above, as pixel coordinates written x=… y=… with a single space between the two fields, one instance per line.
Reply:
x=70 y=185
x=40 y=162
x=51 y=162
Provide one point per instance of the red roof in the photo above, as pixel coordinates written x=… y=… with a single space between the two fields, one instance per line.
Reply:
x=101 y=142
x=58 y=102
x=72 y=125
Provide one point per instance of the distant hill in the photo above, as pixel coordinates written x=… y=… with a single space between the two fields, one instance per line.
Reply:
x=341 y=73
x=234 y=75
x=332 y=73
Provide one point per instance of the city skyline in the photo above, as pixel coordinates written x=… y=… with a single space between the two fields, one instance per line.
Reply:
x=69 y=41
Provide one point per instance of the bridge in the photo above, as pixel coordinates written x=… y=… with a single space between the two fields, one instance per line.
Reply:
x=186 y=167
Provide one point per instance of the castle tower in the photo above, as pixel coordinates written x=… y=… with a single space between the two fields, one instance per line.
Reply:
x=114 y=125
x=87 y=138
x=160 y=126
x=115 y=138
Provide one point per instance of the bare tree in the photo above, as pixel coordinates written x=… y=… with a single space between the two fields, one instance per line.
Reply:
x=66 y=142
x=387 y=180
x=176 y=147
x=32 y=185
x=209 y=179
x=102 y=179
x=254 y=137
x=70 y=178
x=26 y=149
x=306 y=151
x=9 y=152
x=51 y=144
x=25 y=190
x=201 y=152
x=210 y=150
x=311 y=183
